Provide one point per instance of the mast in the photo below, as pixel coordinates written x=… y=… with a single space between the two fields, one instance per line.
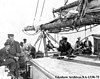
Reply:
x=44 y=42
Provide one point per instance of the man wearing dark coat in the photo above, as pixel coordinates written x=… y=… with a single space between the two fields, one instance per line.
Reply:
x=65 y=47
x=7 y=59
x=14 y=50
x=15 y=46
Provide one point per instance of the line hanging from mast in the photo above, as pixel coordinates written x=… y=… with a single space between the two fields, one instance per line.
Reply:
x=36 y=11
x=42 y=10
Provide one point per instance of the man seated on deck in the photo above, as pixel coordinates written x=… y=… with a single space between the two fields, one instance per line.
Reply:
x=87 y=47
x=65 y=47
x=7 y=59
x=78 y=46
x=50 y=46
x=14 y=51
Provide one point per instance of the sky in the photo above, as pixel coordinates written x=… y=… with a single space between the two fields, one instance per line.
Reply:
x=17 y=14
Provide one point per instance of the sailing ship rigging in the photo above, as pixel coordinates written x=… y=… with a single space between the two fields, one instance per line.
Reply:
x=73 y=16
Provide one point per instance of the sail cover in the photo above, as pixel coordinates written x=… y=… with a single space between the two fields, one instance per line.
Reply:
x=87 y=6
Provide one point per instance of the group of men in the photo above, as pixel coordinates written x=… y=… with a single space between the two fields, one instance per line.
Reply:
x=83 y=47
x=66 y=49
x=13 y=53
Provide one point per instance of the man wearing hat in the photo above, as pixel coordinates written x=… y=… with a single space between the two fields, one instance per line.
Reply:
x=7 y=59
x=14 y=46
x=14 y=50
x=65 y=47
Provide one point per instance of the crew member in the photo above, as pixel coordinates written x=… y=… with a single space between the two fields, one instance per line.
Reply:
x=14 y=50
x=65 y=47
x=7 y=58
x=78 y=46
x=50 y=46
x=87 y=47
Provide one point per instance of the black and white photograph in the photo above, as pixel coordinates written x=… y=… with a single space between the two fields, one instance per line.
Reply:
x=49 y=39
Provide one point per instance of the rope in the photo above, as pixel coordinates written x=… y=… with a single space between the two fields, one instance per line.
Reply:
x=55 y=37
x=78 y=31
x=29 y=33
x=33 y=21
x=36 y=10
x=49 y=40
x=42 y=10
x=51 y=37
x=86 y=37
x=40 y=36
x=47 y=37
x=85 y=31
x=39 y=44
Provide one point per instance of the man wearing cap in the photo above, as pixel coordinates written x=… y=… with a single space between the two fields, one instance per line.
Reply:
x=7 y=59
x=14 y=50
x=14 y=46
x=66 y=48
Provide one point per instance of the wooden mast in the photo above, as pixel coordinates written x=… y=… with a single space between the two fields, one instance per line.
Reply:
x=44 y=42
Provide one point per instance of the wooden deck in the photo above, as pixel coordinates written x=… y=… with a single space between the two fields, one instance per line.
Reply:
x=79 y=67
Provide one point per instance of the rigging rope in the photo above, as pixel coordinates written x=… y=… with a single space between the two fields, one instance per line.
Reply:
x=51 y=37
x=85 y=31
x=78 y=31
x=39 y=44
x=42 y=10
x=86 y=37
x=36 y=10
x=39 y=37
x=35 y=17
x=29 y=33
x=55 y=37
x=33 y=21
